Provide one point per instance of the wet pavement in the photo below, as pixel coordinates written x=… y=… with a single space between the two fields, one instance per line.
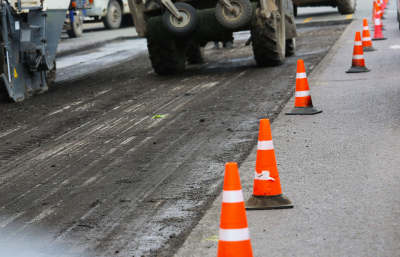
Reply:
x=86 y=169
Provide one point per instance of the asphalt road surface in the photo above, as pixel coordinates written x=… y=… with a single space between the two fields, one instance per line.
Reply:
x=85 y=169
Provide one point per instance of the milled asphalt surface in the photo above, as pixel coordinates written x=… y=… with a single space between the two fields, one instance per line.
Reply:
x=85 y=169
x=340 y=167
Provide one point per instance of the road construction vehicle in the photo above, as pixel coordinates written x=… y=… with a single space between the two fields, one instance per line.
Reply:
x=30 y=33
x=112 y=13
x=74 y=21
x=176 y=30
x=344 y=6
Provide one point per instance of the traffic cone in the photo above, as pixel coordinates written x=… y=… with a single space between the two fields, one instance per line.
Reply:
x=381 y=11
x=384 y=4
x=358 y=63
x=373 y=11
x=378 y=30
x=303 y=103
x=267 y=192
x=234 y=236
x=366 y=38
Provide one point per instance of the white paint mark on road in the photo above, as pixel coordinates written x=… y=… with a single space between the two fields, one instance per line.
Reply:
x=395 y=47
x=9 y=132
x=61 y=110
x=9 y=220
x=41 y=216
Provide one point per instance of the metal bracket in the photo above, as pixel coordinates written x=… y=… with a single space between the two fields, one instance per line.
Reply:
x=171 y=7
x=265 y=13
x=267 y=7
x=228 y=6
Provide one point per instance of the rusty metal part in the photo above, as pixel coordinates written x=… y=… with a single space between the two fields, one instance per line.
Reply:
x=137 y=8
x=267 y=7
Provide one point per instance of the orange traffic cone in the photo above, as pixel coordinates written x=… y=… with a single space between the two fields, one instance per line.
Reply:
x=378 y=29
x=267 y=192
x=358 y=63
x=366 y=38
x=374 y=11
x=303 y=103
x=234 y=236
x=381 y=10
x=384 y=4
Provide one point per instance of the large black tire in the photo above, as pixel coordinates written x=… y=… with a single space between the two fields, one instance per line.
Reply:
x=168 y=57
x=290 y=47
x=234 y=21
x=195 y=53
x=346 y=6
x=113 y=17
x=269 y=38
x=76 y=26
x=127 y=21
x=181 y=27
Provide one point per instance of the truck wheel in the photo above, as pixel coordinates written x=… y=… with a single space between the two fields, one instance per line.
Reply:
x=181 y=27
x=290 y=47
x=168 y=57
x=269 y=38
x=76 y=26
x=235 y=20
x=127 y=21
x=113 y=18
x=346 y=6
x=195 y=53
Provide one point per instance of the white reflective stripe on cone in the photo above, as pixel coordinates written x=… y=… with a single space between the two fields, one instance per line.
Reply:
x=264 y=175
x=366 y=39
x=234 y=235
x=302 y=93
x=358 y=43
x=365 y=28
x=377 y=22
x=358 y=57
x=301 y=75
x=265 y=145
x=232 y=196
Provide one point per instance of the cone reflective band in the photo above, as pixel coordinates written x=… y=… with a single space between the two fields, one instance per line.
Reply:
x=234 y=236
x=302 y=103
x=378 y=29
x=366 y=38
x=267 y=191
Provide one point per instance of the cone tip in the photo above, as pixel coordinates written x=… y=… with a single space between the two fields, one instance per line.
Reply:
x=358 y=36
x=231 y=178
x=231 y=165
x=300 y=66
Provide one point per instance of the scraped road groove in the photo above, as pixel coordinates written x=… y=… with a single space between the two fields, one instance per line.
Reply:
x=86 y=171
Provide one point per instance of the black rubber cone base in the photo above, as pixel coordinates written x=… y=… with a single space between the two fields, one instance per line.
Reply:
x=268 y=202
x=358 y=69
x=379 y=38
x=369 y=49
x=303 y=111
